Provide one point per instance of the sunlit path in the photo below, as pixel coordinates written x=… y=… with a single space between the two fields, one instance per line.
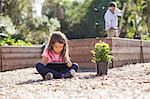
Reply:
x=131 y=81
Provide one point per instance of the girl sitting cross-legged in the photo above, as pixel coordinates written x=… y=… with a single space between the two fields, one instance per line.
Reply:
x=56 y=52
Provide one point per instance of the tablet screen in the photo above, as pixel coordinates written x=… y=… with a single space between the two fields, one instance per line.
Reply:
x=56 y=63
x=57 y=66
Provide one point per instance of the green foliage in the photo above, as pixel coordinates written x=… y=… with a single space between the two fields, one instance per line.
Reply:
x=145 y=37
x=75 y=11
x=8 y=25
x=34 y=30
x=8 y=41
x=135 y=18
x=17 y=10
x=48 y=8
x=22 y=43
x=38 y=29
x=75 y=24
x=101 y=52
x=43 y=24
x=16 y=16
x=80 y=18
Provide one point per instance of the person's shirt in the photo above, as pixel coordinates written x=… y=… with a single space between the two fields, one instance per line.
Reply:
x=111 y=20
x=51 y=56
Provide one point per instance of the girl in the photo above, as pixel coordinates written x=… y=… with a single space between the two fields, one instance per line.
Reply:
x=56 y=51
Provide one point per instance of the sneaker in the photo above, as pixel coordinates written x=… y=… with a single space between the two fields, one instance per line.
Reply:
x=49 y=76
x=70 y=74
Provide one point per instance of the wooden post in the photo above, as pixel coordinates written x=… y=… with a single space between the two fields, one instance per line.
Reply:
x=0 y=58
x=141 y=52
x=148 y=16
x=1 y=7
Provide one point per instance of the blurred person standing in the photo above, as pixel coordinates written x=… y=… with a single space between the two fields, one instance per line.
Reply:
x=111 y=19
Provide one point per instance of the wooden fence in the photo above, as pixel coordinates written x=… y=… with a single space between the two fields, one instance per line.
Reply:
x=125 y=51
x=146 y=51
x=80 y=52
x=18 y=57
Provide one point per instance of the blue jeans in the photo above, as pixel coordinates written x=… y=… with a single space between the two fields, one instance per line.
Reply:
x=43 y=70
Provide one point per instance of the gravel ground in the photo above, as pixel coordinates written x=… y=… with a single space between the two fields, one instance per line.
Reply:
x=127 y=82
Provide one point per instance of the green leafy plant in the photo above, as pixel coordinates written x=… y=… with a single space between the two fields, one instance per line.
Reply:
x=8 y=41
x=101 y=52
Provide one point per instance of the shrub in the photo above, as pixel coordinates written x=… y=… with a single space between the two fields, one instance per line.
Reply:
x=8 y=41
x=101 y=52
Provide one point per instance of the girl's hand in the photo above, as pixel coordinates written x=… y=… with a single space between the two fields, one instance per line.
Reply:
x=69 y=63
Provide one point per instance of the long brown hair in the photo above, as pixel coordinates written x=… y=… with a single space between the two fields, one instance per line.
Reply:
x=58 y=36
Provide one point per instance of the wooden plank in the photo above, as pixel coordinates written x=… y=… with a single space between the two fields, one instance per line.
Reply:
x=82 y=42
x=146 y=60
x=86 y=65
x=81 y=58
x=20 y=55
x=123 y=62
x=146 y=56
x=146 y=44
x=125 y=50
x=80 y=50
x=125 y=42
x=21 y=49
x=90 y=65
x=125 y=56
x=88 y=42
x=146 y=50
x=117 y=49
x=18 y=62
x=6 y=68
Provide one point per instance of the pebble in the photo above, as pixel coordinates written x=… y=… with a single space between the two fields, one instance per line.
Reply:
x=127 y=82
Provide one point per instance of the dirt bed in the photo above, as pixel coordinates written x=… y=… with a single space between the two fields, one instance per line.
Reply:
x=127 y=82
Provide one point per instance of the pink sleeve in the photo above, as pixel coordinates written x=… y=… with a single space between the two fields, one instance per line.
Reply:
x=45 y=53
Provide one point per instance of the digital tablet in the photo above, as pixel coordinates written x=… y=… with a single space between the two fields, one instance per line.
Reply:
x=56 y=63
x=57 y=66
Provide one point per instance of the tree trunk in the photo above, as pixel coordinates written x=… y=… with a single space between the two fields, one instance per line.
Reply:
x=148 y=15
x=59 y=12
x=0 y=6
